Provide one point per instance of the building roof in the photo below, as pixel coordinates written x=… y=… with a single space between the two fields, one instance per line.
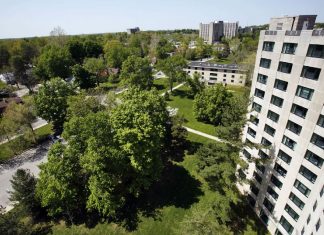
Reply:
x=215 y=65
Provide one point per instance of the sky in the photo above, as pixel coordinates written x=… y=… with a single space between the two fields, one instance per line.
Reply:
x=28 y=18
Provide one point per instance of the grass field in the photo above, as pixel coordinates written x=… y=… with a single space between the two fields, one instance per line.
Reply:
x=20 y=145
x=171 y=201
x=162 y=84
x=184 y=103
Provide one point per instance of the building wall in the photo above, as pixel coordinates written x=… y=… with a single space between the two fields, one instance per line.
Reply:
x=292 y=22
x=231 y=77
x=308 y=124
x=230 y=29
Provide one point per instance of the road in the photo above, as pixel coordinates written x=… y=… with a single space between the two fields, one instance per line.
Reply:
x=30 y=160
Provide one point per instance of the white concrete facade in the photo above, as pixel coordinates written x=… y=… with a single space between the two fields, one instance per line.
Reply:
x=291 y=87
x=212 y=73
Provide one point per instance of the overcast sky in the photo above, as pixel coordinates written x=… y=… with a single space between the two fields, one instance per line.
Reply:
x=27 y=18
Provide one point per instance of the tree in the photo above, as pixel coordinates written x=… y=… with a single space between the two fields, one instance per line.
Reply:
x=82 y=77
x=54 y=61
x=115 y=53
x=217 y=165
x=163 y=48
x=195 y=84
x=24 y=186
x=77 y=50
x=51 y=102
x=92 y=48
x=211 y=103
x=137 y=72
x=4 y=56
x=80 y=105
x=61 y=183
x=94 y=66
x=173 y=68
x=58 y=36
x=21 y=116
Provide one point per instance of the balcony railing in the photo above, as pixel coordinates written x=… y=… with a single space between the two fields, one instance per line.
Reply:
x=318 y=32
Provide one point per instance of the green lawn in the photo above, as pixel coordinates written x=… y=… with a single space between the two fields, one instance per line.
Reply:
x=172 y=200
x=20 y=144
x=180 y=100
x=162 y=84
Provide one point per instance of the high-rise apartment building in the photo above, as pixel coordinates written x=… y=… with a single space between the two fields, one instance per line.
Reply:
x=214 y=31
x=287 y=121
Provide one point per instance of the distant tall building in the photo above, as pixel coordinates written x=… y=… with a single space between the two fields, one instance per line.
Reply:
x=133 y=30
x=287 y=122
x=214 y=31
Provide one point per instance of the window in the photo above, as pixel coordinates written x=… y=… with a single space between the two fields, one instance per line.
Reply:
x=213 y=78
x=322 y=191
x=267 y=204
x=265 y=142
x=257 y=177
x=213 y=74
x=246 y=154
x=264 y=217
x=310 y=72
x=262 y=78
x=282 y=171
x=280 y=85
x=302 y=188
x=320 y=121
x=260 y=167
x=313 y=158
x=256 y=107
x=303 y=231
x=268 y=46
x=254 y=120
x=259 y=93
x=273 y=116
x=284 y=156
x=224 y=75
x=318 y=140
x=289 y=142
x=307 y=174
x=276 y=182
x=315 y=205
x=299 y=110
x=284 y=67
x=293 y=127
x=214 y=70
x=308 y=219
x=316 y=51
x=318 y=224
x=233 y=71
x=277 y=232
x=286 y=225
x=289 y=48
x=272 y=193
x=254 y=189
x=299 y=203
x=276 y=101
x=263 y=155
x=268 y=129
x=233 y=76
x=224 y=80
x=265 y=63
x=251 y=132
x=304 y=92
x=291 y=212
x=251 y=200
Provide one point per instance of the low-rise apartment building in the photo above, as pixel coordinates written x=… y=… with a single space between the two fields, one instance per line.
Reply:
x=212 y=73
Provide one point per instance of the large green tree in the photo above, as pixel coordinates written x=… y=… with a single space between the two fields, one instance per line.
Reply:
x=211 y=104
x=95 y=66
x=51 y=102
x=54 y=61
x=115 y=53
x=173 y=68
x=4 y=56
x=137 y=71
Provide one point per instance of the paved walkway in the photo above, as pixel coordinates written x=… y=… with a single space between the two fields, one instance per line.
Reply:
x=174 y=88
x=204 y=134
